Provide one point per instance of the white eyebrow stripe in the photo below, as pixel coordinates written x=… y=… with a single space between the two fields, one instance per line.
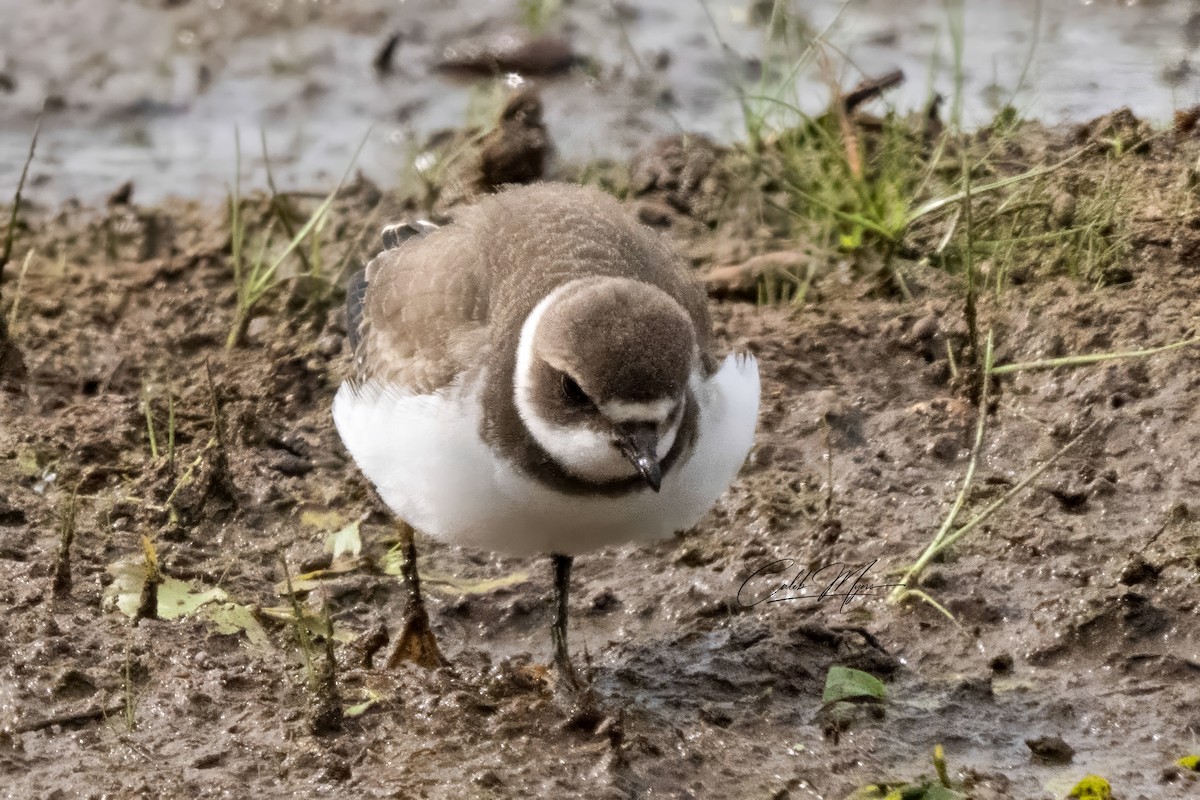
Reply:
x=626 y=411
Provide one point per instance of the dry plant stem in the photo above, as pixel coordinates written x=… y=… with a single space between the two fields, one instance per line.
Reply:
x=16 y=302
x=849 y=135
x=969 y=309
x=149 y=422
x=326 y=699
x=1080 y=361
x=913 y=572
x=301 y=631
x=62 y=562
x=16 y=207
x=148 y=602
x=91 y=714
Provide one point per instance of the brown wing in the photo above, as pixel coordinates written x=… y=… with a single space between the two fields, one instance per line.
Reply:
x=424 y=312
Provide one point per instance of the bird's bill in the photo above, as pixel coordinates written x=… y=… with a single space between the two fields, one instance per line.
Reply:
x=640 y=446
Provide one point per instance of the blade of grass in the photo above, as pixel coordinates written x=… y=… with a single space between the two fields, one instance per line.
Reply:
x=16 y=302
x=982 y=516
x=16 y=206
x=1095 y=358
x=277 y=203
x=934 y=206
x=149 y=422
x=913 y=572
x=253 y=287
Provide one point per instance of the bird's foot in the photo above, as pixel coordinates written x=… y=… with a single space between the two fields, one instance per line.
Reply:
x=568 y=676
x=417 y=642
x=582 y=705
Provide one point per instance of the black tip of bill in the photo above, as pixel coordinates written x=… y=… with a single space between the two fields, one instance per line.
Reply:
x=650 y=470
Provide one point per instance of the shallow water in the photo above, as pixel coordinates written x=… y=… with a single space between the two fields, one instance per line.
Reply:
x=153 y=91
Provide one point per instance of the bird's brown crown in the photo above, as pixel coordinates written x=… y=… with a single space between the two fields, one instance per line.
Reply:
x=617 y=339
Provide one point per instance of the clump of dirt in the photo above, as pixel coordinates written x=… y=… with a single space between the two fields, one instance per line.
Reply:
x=1074 y=606
x=516 y=149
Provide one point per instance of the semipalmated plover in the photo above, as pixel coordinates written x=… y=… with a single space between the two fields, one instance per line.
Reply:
x=537 y=377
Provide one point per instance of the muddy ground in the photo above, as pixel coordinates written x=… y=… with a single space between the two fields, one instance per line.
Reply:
x=1076 y=605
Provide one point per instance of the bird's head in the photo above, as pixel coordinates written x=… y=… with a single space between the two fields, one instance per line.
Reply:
x=603 y=369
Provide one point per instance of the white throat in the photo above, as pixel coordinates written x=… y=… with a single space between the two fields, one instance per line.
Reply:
x=581 y=451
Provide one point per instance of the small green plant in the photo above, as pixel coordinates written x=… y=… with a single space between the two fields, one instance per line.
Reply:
x=537 y=15
x=258 y=275
x=947 y=535
x=301 y=629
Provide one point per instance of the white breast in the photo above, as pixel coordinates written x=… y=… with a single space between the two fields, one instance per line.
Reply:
x=425 y=456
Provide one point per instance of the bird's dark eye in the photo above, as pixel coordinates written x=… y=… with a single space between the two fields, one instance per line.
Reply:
x=574 y=395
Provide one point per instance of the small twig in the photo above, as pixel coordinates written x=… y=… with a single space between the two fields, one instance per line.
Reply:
x=87 y=715
x=969 y=310
x=826 y=431
x=870 y=88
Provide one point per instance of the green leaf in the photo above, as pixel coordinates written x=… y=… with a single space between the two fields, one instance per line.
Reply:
x=358 y=709
x=448 y=584
x=27 y=463
x=844 y=683
x=323 y=520
x=176 y=598
x=344 y=541
x=1190 y=762
x=938 y=792
x=906 y=791
x=231 y=618
x=1093 y=787
x=307 y=581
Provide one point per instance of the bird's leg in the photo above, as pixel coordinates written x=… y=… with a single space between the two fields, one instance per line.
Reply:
x=558 y=631
x=417 y=643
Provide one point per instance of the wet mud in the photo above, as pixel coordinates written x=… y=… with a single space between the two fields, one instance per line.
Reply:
x=1074 y=647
